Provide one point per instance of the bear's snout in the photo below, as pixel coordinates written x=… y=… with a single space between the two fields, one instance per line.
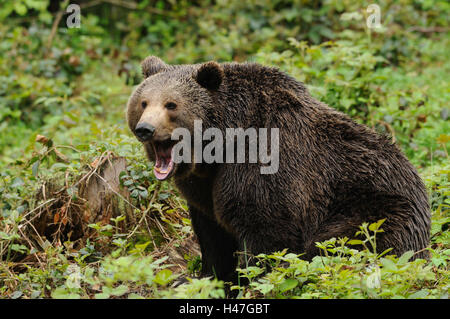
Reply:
x=144 y=131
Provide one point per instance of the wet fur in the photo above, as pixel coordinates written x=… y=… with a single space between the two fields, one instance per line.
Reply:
x=334 y=174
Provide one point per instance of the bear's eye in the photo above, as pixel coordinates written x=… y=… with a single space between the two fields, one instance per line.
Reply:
x=144 y=104
x=171 y=106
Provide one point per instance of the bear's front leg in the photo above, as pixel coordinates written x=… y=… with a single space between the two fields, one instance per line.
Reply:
x=265 y=236
x=258 y=210
x=217 y=247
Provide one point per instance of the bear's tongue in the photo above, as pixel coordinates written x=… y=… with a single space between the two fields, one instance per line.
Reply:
x=164 y=164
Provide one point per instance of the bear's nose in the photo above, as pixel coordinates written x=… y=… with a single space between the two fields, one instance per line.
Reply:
x=144 y=131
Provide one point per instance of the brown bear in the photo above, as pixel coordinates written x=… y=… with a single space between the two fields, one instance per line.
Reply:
x=333 y=174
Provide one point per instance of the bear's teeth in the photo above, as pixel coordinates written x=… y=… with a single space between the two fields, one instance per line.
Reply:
x=163 y=165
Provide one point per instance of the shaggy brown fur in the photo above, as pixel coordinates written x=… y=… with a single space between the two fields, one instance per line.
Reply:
x=334 y=174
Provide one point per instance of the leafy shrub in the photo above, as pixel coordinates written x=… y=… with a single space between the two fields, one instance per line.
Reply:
x=62 y=106
x=342 y=272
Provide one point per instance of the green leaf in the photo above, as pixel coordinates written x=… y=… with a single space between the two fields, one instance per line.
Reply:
x=57 y=166
x=418 y=295
x=346 y=16
x=388 y=264
x=355 y=242
x=102 y=295
x=144 y=193
x=6 y=236
x=163 y=277
x=17 y=182
x=373 y=226
x=20 y=8
x=405 y=257
x=73 y=281
x=141 y=247
x=128 y=182
x=16 y=294
x=119 y=291
x=385 y=252
x=82 y=147
x=64 y=293
x=35 y=167
x=19 y=248
x=95 y=226
x=373 y=281
x=264 y=288
x=288 y=284
x=135 y=193
x=437 y=261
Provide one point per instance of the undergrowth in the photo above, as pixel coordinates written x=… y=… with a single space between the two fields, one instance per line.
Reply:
x=63 y=131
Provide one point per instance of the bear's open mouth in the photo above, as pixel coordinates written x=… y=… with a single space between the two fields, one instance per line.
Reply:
x=164 y=164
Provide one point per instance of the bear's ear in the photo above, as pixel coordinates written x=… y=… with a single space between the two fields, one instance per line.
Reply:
x=209 y=75
x=152 y=65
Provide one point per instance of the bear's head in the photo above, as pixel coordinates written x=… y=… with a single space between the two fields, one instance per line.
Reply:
x=170 y=97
